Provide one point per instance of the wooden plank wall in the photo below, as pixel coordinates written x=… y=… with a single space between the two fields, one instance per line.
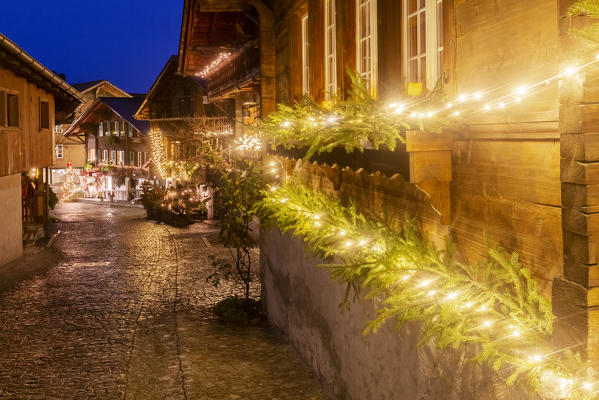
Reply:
x=507 y=164
x=25 y=147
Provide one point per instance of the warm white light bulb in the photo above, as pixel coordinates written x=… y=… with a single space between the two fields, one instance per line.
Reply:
x=456 y=113
x=478 y=95
x=587 y=386
x=501 y=104
x=570 y=71
x=487 y=107
x=463 y=97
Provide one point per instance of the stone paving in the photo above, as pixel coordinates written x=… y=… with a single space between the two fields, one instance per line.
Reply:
x=123 y=312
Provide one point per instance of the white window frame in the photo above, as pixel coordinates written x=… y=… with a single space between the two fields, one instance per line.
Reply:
x=101 y=129
x=330 y=41
x=433 y=10
x=305 y=55
x=113 y=156
x=91 y=155
x=59 y=151
x=57 y=128
x=370 y=37
x=105 y=158
x=139 y=164
x=129 y=130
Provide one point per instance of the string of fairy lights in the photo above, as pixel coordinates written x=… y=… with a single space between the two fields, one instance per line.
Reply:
x=221 y=58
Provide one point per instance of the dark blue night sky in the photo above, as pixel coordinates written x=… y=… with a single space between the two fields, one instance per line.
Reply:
x=124 y=41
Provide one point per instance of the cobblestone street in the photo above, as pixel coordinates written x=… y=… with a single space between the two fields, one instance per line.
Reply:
x=123 y=311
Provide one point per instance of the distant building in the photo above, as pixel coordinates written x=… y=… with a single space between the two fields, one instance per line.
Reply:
x=180 y=113
x=70 y=150
x=116 y=147
x=32 y=101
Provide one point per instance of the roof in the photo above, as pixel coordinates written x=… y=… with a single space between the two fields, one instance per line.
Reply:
x=127 y=108
x=87 y=86
x=124 y=107
x=66 y=97
x=82 y=87
x=170 y=64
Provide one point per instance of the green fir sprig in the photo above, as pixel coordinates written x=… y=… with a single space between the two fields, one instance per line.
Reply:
x=494 y=306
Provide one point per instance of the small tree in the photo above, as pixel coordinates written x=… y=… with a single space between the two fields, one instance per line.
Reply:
x=237 y=193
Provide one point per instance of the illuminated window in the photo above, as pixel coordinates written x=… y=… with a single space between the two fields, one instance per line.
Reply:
x=139 y=158
x=101 y=129
x=113 y=156
x=330 y=50
x=423 y=32
x=129 y=130
x=120 y=158
x=59 y=151
x=305 y=56
x=366 y=42
x=105 y=156
x=91 y=155
x=131 y=158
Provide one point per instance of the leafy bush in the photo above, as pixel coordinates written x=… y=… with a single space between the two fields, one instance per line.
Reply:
x=52 y=198
x=239 y=311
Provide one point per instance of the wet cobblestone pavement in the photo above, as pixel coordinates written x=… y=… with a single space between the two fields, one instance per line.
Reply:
x=123 y=312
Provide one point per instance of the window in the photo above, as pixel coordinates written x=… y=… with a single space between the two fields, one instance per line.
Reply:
x=131 y=158
x=91 y=155
x=145 y=157
x=366 y=42
x=120 y=157
x=187 y=106
x=59 y=151
x=2 y=108
x=57 y=128
x=107 y=131
x=44 y=115
x=129 y=130
x=305 y=56
x=101 y=129
x=423 y=32
x=116 y=128
x=139 y=159
x=12 y=110
x=112 y=156
x=105 y=156
x=330 y=49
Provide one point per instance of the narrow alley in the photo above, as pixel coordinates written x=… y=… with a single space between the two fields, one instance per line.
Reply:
x=123 y=312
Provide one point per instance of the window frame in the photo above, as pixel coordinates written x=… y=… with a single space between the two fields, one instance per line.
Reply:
x=371 y=76
x=101 y=129
x=434 y=42
x=330 y=41
x=91 y=155
x=105 y=156
x=113 y=156
x=139 y=164
x=305 y=53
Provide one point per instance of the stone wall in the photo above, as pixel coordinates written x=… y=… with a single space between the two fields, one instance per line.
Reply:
x=303 y=302
x=11 y=230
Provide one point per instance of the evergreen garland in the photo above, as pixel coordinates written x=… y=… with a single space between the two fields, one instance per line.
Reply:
x=589 y=8
x=354 y=124
x=495 y=305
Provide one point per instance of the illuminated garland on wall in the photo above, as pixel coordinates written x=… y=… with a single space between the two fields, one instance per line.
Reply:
x=222 y=57
x=158 y=152
x=494 y=306
x=364 y=122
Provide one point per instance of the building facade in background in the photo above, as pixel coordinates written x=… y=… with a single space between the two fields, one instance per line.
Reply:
x=70 y=150
x=116 y=147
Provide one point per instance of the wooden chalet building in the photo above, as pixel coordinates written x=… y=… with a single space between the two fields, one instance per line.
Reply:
x=71 y=150
x=32 y=101
x=117 y=149
x=522 y=174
